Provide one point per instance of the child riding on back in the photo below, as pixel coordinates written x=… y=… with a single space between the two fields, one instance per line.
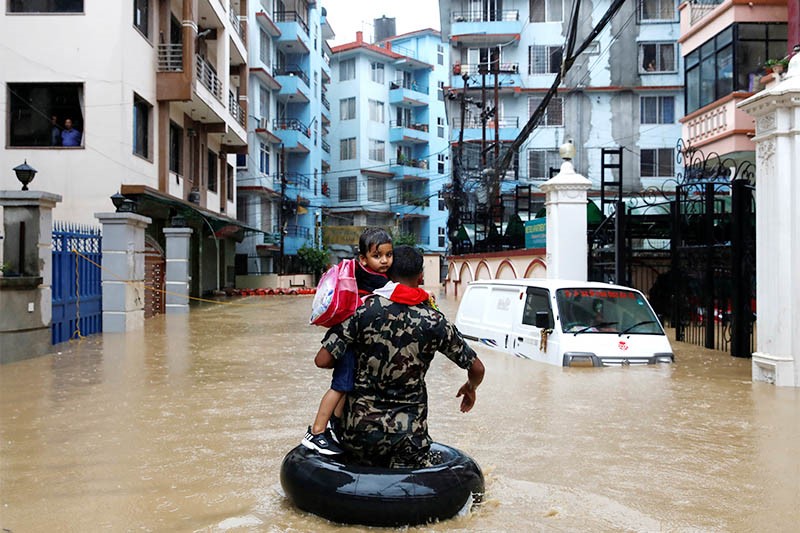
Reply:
x=374 y=259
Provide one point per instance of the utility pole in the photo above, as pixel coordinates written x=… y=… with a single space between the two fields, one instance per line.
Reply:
x=454 y=218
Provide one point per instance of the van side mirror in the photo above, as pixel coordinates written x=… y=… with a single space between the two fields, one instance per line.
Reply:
x=542 y=320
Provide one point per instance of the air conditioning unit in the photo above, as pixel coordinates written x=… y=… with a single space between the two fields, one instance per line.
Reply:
x=263 y=123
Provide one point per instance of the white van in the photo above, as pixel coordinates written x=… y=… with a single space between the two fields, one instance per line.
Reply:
x=562 y=322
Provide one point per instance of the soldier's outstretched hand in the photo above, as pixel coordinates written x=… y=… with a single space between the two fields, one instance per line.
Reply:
x=468 y=400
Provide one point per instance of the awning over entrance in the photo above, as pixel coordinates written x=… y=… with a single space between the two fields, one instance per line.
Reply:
x=158 y=205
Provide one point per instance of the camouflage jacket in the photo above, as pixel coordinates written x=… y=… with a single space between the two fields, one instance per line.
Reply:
x=394 y=344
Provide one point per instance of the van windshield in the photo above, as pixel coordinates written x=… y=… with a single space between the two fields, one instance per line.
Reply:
x=605 y=311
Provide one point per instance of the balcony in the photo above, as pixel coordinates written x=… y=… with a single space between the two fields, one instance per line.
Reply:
x=326 y=147
x=207 y=76
x=410 y=169
x=700 y=8
x=170 y=57
x=294 y=32
x=297 y=180
x=473 y=128
x=238 y=27
x=508 y=75
x=236 y=110
x=263 y=129
x=266 y=22
x=294 y=135
x=325 y=102
x=481 y=29
x=266 y=78
x=408 y=133
x=294 y=84
x=720 y=127
x=408 y=95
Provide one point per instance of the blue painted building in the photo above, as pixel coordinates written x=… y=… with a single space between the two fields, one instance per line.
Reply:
x=281 y=179
x=390 y=140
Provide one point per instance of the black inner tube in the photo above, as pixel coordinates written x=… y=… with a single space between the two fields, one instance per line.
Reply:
x=354 y=494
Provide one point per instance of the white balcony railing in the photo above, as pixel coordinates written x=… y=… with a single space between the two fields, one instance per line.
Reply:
x=208 y=77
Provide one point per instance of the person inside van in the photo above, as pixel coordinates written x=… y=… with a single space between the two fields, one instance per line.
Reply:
x=600 y=322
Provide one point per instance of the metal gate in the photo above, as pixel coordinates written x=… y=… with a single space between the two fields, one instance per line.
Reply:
x=155 y=268
x=77 y=290
x=690 y=246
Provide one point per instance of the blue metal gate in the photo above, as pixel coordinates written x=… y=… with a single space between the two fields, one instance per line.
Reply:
x=77 y=290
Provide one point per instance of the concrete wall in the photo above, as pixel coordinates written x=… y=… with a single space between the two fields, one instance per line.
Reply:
x=497 y=265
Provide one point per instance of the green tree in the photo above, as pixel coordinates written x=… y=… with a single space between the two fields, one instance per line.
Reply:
x=399 y=238
x=314 y=259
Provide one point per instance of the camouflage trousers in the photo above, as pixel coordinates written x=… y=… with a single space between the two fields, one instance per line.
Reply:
x=388 y=450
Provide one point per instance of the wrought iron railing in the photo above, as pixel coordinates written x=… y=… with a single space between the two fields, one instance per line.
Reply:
x=475 y=122
x=290 y=124
x=291 y=16
x=701 y=8
x=170 y=57
x=326 y=146
x=410 y=85
x=485 y=68
x=325 y=102
x=293 y=230
x=508 y=15
x=208 y=77
x=297 y=179
x=292 y=70
x=410 y=125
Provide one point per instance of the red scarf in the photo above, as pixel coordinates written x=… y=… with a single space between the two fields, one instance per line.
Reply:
x=403 y=294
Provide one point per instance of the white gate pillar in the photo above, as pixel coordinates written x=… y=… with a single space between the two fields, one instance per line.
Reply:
x=566 y=220
x=123 y=271
x=777 y=113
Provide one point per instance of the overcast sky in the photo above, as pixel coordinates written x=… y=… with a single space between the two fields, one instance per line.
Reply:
x=346 y=17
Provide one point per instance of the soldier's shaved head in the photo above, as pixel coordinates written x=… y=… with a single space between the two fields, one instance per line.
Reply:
x=407 y=265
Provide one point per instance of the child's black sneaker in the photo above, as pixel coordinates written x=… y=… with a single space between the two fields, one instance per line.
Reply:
x=322 y=443
x=333 y=429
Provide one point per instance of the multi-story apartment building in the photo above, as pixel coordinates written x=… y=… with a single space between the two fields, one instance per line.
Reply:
x=624 y=92
x=390 y=137
x=282 y=184
x=725 y=45
x=155 y=96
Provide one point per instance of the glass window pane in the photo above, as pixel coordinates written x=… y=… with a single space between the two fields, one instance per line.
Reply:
x=692 y=89
x=725 y=37
x=665 y=160
x=668 y=111
x=649 y=110
x=708 y=76
x=750 y=57
x=667 y=57
x=647 y=163
x=752 y=31
x=725 y=71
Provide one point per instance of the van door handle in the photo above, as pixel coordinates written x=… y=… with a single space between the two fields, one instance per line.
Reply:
x=520 y=339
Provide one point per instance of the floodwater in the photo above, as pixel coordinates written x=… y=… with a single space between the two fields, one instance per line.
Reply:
x=183 y=428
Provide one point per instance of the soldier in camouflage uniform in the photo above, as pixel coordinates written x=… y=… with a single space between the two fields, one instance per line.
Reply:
x=395 y=339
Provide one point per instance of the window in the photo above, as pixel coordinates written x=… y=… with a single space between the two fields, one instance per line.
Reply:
x=229 y=182
x=347 y=148
x=440 y=127
x=263 y=158
x=241 y=161
x=731 y=61
x=45 y=6
x=440 y=91
x=175 y=148
x=263 y=105
x=440 y=164
x=657 y=109
x=656 y=163
x=212 y=171
x=441 y=237
x=141 y=126
x=347 y=189
x=263 y=49
x=377 y=150
x=656 y=11
x=544 y=59
x=537 y=301
x=347 y=70
x=553 y=115
x=376 y=72
x=440 y=54
x=540 y=161
x=347 y=108
x=441 y=203
x=141 y=16
x=376 y=189
x=657 y=57
x=376 y=111
x=38 y=113
x=547 y=10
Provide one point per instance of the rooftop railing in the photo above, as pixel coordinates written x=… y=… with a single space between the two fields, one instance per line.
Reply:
x=701 y=8
x=475 y=122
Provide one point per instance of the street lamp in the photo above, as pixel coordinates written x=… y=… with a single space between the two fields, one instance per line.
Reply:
x=25 y=174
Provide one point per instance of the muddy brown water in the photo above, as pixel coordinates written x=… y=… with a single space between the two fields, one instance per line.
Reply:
x=183 y=427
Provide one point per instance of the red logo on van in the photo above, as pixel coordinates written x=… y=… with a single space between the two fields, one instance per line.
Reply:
x=622 y=346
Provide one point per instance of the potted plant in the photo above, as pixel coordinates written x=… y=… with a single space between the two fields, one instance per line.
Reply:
x=778 y=66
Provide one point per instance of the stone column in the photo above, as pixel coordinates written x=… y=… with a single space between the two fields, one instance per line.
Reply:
x=566 y=221
x=777 y=113
x=26 y=312
x=123 y=271
x=178 y=271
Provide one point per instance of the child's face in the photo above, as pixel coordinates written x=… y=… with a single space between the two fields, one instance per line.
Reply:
x=378 y=259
